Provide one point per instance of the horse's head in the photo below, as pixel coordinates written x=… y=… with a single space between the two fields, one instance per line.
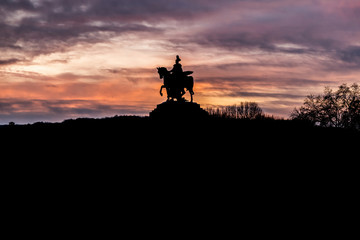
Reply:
x=162 y=72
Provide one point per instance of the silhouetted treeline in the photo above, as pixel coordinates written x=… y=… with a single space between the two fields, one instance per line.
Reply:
x=245 y=110
x=340 y=108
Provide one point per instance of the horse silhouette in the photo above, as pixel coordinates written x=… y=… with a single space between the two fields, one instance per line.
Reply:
x=175 y=85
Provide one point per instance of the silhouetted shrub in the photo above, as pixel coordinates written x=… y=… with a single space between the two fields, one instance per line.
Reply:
x=339 y=108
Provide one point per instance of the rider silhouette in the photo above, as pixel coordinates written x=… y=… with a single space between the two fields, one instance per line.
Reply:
x=177 y=73
x=177 y=68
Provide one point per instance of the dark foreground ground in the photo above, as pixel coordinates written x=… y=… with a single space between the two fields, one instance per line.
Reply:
x=264 y=176
x=140 y=149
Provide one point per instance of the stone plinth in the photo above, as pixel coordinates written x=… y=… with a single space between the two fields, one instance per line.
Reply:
x=178 y=110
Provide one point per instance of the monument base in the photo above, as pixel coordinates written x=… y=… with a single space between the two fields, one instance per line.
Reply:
x=178 y=110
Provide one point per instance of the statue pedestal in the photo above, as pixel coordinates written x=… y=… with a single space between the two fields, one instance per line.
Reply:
x=175 y=110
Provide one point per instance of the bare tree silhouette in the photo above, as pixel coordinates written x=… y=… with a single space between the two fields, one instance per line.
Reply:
x=339 y=108
x=245 y=110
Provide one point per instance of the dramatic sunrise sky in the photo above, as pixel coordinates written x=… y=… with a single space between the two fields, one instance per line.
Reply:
x=65 y=59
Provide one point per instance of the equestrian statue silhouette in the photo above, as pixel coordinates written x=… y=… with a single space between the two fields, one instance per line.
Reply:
x=176 y=81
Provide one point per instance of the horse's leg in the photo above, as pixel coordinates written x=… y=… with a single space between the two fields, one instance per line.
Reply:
x=161 y=89
x=168 y=91
x=190 y=87
x=182 y=92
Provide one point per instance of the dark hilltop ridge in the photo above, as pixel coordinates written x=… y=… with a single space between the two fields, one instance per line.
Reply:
x=170 y=151
x=181 y=123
